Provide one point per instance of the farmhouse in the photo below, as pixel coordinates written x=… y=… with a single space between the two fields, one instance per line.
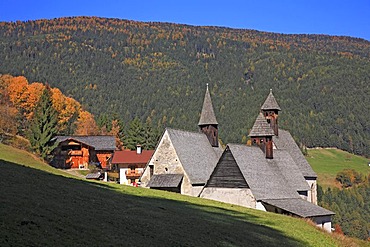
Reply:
x=127 y=166
x=80 y=151
x=183 y=160
x=271 y=174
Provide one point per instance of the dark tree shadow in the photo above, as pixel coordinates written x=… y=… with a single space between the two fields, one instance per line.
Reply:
x=42 y=209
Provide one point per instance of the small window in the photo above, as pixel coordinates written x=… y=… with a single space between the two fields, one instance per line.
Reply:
x=151 y=170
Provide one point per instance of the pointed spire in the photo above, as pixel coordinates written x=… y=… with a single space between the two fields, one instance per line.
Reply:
x=261 y=127
x=208 y=115
x=270 y=103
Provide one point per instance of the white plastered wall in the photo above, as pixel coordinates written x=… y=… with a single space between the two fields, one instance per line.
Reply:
x=312 y=193
x=237 y=196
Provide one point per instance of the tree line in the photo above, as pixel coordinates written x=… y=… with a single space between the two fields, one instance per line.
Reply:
x=159 y=70
x=351 y=206
x=39 y=112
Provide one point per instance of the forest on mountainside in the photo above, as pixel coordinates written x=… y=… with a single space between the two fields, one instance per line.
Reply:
x=158 y=71
x=351 y=206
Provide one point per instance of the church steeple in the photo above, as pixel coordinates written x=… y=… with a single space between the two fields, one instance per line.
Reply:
x=270 y=110
x=207 y=122
x=261 y=135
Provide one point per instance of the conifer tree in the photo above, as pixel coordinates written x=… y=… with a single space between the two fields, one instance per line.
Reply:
x=135 y=134
x=44 y=125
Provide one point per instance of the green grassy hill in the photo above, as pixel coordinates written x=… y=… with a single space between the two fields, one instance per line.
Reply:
x=41 y=208
x=328 y=162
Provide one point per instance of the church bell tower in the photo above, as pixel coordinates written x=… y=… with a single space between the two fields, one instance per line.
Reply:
x=207 y=122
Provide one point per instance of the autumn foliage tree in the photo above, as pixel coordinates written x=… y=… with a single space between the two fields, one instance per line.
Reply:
x=8 y=113
x=86 y=124
x=18 y=105
x=22 y=97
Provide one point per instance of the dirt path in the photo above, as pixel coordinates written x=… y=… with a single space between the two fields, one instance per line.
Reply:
x=74 y=173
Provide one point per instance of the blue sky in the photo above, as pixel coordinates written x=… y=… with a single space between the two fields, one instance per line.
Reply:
x=340 y=17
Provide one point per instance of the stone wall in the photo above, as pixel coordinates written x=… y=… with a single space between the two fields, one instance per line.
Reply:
x=237 y=196
x=163 y=161
x=188 y=189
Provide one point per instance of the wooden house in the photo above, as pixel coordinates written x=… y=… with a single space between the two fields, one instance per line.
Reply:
x=184 y=160
x=80 y=151
x=271 y=175
x=127 y=166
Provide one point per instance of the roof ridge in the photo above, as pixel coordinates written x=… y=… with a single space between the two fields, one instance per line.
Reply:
x=189 y=131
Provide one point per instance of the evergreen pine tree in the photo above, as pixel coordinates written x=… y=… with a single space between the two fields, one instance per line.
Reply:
x=134 y=135
x=151 y=135
x=44 y=125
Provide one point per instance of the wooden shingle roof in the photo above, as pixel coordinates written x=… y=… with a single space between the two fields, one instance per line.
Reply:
x=289 y=169
x=286 y=142
x=299 y=207
x=207 y=115
x=270 y=103
x=195 y=153
x=264 y=178
x=103 y=143
x=275 y=181
x=165 y=180
x=261 y=127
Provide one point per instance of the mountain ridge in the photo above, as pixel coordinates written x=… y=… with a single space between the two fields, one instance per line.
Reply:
x=159 y=70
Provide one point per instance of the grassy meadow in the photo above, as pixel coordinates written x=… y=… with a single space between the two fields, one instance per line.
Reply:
x=39 y=207
x=328 y=162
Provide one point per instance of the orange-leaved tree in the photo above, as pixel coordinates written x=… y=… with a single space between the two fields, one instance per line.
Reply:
x=86 y=124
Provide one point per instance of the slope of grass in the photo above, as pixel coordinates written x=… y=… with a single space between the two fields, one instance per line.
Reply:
x=39 y=208
x=8 y=153
x=328 y=162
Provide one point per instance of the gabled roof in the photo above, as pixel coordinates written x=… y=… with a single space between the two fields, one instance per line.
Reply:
x=131 y=157
x=195 y=153
x=264 y=178
x=261 y=127
x=299 y=207
x=165 y=180
x=207 y=115
x=286 y=142
x=289 y=169
x=103 y=143
x=270 y=103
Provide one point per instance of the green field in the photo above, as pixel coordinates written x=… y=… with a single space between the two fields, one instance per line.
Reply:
x=8 y=153
x=328 y=162
x=39 y=207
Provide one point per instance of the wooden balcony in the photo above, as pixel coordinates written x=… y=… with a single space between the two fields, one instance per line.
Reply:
x=133 y=174
x=75 y=153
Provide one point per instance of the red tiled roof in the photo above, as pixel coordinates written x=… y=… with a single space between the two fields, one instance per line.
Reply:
x=131 y=157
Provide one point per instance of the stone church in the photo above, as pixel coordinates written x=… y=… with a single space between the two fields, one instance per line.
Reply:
x=183 y=161
x=271 y=174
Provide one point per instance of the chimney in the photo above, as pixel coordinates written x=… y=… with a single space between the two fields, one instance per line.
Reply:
x=138 y=149
x=269 y=148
